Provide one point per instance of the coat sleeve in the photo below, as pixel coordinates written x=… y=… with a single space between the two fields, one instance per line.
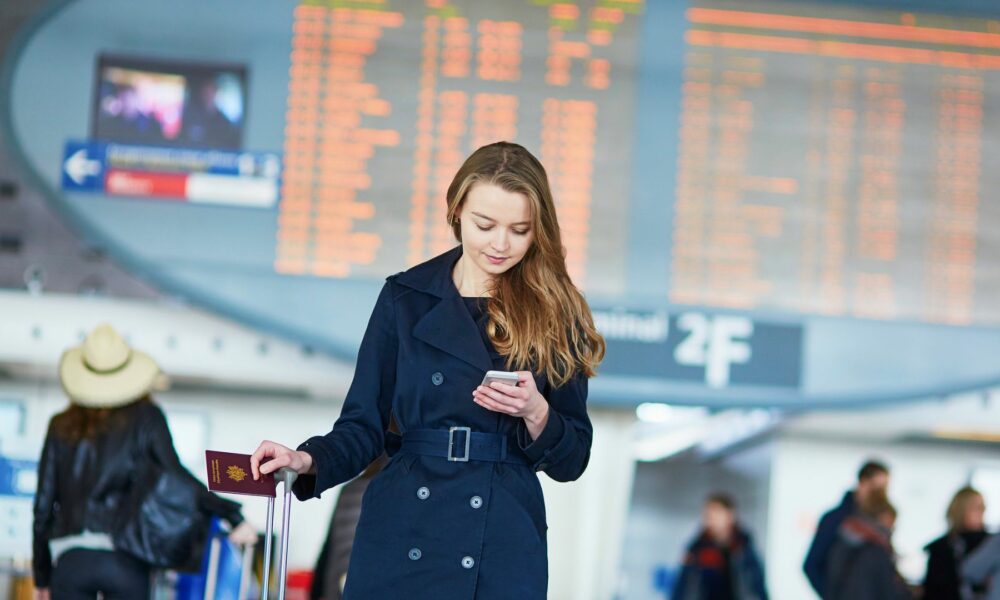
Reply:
x=984 y=562
x=756 y=570
x=686 y=586
x=161 y=446
x=44 y=513
x=815 y=566
x=358 y=436
x=886 y=581
x=936 y=581
x=562 y=449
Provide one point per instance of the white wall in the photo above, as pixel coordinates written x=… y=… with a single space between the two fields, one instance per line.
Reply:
x=809 y=475
x=587 y=517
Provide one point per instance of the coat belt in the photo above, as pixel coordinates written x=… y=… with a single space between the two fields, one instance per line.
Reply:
x=460 y=444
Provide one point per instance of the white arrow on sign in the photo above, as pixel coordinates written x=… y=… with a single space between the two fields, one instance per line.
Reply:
x=79 y=167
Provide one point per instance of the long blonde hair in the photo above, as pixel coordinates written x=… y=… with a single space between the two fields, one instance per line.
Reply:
x=537 y=318
x=960 y=505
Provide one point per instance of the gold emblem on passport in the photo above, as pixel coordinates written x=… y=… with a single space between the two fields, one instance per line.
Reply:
x=235 y=473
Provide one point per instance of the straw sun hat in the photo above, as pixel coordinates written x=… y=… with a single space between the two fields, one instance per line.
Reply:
x=104 y=372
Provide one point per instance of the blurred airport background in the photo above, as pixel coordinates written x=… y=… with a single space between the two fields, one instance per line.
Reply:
x=785 y=215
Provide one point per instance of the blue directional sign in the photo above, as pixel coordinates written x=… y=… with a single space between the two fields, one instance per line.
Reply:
x=83 y=166
x=249 y=179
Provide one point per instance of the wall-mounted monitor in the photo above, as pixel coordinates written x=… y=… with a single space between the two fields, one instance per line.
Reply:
x=169 y=102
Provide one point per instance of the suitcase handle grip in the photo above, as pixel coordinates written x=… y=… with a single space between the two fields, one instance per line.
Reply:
x=286 y=476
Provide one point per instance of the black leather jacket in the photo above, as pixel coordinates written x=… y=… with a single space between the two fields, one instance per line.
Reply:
x=84 y=484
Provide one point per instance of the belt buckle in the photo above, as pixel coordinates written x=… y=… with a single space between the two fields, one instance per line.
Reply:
x=451 y=443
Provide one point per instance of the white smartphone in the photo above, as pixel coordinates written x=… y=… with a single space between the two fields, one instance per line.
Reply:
x=508 y=377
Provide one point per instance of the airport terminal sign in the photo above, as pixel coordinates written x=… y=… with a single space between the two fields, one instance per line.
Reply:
x=719 y=351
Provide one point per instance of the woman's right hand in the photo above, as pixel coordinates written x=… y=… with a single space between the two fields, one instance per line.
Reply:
x=271 y=456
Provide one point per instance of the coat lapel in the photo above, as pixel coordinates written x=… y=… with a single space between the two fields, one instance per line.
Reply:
x=447 y=326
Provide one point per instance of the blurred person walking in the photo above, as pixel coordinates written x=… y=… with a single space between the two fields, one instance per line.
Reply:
x=873 y=478
x=946 y=554
x=721 y=562
x=113 y=500
x=861 y=563
x=458 y=512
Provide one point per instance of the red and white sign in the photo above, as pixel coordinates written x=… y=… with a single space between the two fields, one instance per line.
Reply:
x=203 y=188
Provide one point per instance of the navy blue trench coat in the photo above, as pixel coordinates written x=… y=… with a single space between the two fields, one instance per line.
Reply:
x=430 y=527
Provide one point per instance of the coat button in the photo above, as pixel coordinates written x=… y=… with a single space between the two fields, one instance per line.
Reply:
x=476 y=502
x=415 y=554
x=437 y=378
x=423 y=493
x=468 y=562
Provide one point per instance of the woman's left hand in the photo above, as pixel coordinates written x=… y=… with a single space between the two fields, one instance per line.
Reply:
x=522 y=400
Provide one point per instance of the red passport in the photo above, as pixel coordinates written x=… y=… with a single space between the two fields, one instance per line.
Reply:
x=230 y=473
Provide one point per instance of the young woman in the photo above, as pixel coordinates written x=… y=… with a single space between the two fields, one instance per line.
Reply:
x=946 y=554
x=458 y=512
x=95 y=453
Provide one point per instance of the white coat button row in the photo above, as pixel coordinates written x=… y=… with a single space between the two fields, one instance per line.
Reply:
x=415 y=554
x=468 y=562
x=423 y=493
x=476 y=502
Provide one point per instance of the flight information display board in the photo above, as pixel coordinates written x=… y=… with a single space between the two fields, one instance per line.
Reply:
x=386 y=102
x=829 y=159
x=836 y=161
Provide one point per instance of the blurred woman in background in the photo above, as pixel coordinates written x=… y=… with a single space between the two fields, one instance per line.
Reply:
x=100 y=513
x=946 y=554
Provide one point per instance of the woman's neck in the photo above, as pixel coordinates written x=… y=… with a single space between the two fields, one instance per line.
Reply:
x=470 y=280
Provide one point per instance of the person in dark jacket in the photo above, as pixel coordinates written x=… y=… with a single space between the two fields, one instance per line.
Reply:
x=946 y=554
x=873 y=478
x=861 y=563
x=721 y=563
x=458 y=512
x=111 y=433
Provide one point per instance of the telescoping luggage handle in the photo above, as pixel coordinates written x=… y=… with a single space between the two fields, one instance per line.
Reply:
x=288 y=477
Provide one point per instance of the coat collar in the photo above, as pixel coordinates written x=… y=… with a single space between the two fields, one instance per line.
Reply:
x=447 y=326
